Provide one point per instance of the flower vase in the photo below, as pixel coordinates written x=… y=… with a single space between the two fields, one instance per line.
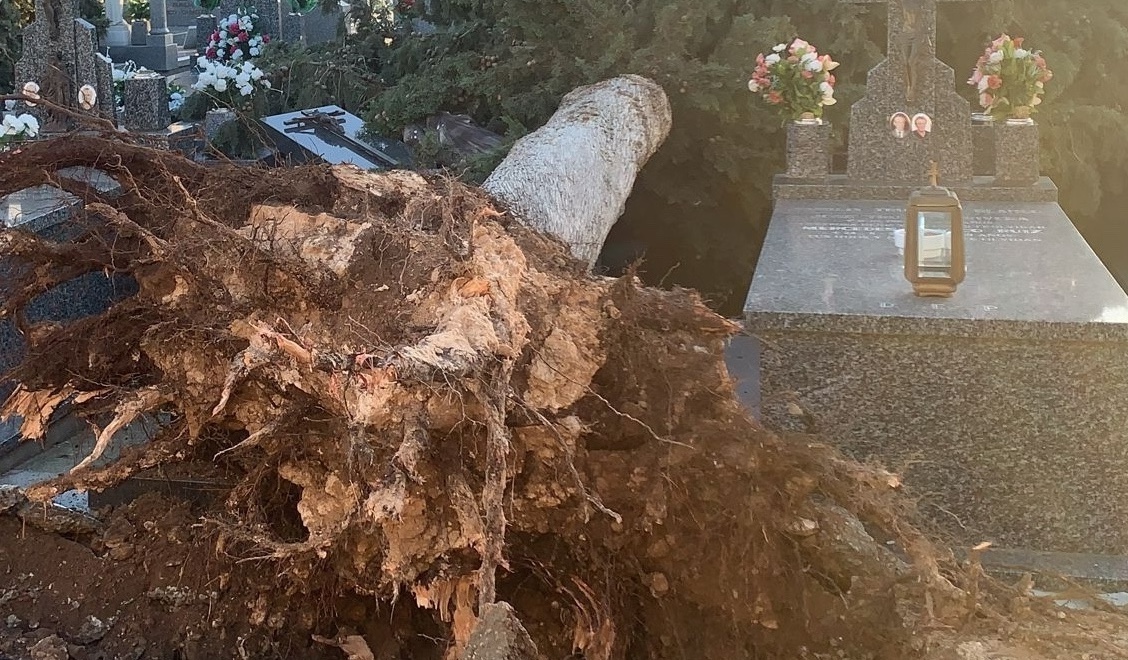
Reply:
x=1017 y=153
x=808 y=149
x=808 y=119
x=214 y=120
x=983 y=144
x=1020 y=116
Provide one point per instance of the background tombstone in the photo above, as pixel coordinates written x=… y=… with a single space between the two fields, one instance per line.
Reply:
x=104 y=74
x=315 y=27
x=910 y=80
x=146 y=102
x=147 y=116
x=205 y=26
x=292 y=27
x=58 y=55
x=117 y=32
x=269 y=13
x=184 y=12
x=320 y=26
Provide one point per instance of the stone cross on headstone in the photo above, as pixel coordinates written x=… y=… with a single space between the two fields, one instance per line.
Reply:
x=911 y=81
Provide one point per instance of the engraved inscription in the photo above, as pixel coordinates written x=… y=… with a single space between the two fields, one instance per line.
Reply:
x=878 y=223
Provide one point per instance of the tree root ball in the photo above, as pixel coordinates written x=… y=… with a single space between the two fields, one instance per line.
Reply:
x=412 y=396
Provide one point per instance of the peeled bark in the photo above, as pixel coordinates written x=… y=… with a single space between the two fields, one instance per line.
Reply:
x=571 y=178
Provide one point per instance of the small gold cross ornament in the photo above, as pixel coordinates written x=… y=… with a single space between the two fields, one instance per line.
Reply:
x=935 y=174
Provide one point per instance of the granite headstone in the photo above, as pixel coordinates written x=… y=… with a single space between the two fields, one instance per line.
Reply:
x=910 y=117
x=911 y=80
x=85 y=51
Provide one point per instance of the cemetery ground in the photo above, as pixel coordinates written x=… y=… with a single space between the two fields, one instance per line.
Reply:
x=396 y=406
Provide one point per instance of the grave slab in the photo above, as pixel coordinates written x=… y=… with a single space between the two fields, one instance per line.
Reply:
x=96 y=179
x=303 y=141
x=1005 y=406
x=37 y=208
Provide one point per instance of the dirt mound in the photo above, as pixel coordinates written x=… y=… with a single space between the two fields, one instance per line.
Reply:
x=424 y=408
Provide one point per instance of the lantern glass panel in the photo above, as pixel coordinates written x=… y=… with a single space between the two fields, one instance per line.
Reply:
x=934 y=244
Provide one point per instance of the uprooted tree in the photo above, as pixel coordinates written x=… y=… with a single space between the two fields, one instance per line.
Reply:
x=464 y=416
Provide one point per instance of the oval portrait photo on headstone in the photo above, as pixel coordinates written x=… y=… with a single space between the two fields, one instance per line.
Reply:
x=900 y=123
x=922 y=124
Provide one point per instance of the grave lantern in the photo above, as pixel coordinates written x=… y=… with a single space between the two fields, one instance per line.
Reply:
x=934 y=240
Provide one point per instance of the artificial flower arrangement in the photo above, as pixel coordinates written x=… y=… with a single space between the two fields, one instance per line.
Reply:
x=1010 y=79
x=236 y=38
x=229 y=86
x=796 y=78
x=175 y=97
x=14 y=128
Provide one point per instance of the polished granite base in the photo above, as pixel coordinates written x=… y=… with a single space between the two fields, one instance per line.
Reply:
x=1005 y=406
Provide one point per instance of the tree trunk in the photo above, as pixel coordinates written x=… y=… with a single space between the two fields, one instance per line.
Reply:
x=571 y=178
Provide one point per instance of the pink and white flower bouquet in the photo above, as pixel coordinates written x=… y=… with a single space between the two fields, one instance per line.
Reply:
x=1010 y=79
x=796 y=78
x=236 y=39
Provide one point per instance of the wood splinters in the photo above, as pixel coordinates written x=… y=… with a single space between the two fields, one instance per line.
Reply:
x=251 y=440
x=287 y=345
x=242 y=365
x=126 y=412
x=35 y=407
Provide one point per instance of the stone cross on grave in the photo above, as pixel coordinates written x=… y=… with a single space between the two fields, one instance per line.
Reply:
x=911 y=81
